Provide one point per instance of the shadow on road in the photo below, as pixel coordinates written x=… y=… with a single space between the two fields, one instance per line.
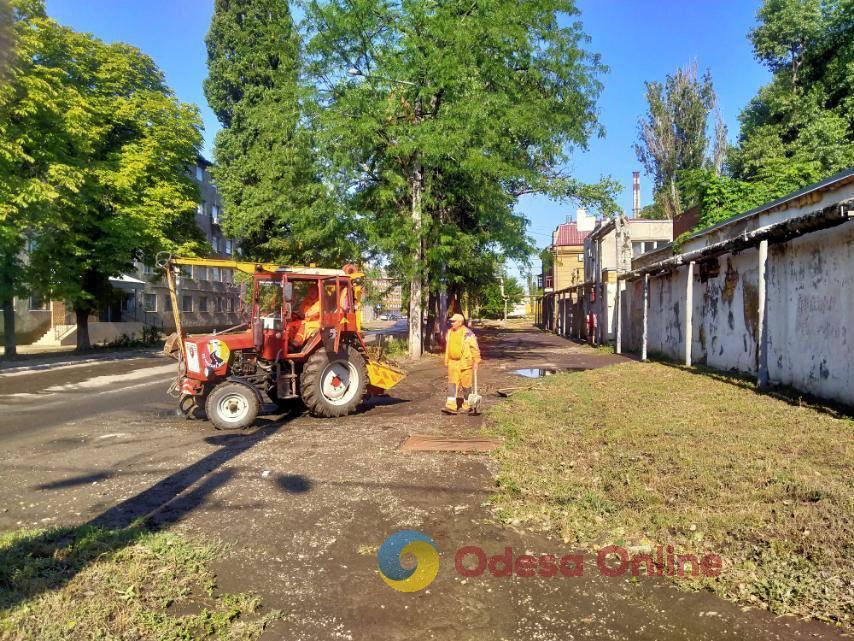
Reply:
x=49 y=560
x=83 y=479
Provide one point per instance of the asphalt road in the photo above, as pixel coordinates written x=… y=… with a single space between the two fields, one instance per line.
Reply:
x=34 y=401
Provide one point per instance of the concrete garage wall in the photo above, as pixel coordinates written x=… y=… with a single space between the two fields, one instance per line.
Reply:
x=810 y=305
x=631 y=314
x=809 y=301
x=726 y=314
x=810 y=308
x=667 y=314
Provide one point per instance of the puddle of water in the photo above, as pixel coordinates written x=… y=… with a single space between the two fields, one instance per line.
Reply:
x=534 y=372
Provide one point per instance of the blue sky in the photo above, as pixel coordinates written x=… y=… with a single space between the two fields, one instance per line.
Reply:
x=638 y=40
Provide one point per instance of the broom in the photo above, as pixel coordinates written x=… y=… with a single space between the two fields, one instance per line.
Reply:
x=474 y=398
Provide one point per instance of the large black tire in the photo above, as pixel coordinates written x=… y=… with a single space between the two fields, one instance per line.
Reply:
x=232 y=406
x=327 y=397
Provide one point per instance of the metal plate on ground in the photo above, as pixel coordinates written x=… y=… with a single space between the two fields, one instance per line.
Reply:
x=432 y=443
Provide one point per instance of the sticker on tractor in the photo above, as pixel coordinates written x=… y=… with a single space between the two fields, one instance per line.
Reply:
x=218 y=354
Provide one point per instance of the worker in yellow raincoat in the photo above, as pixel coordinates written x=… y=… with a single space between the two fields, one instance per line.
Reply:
x=462 y=356
x=306 y=320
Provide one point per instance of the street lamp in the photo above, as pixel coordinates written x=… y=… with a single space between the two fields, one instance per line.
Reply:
x=503 y=294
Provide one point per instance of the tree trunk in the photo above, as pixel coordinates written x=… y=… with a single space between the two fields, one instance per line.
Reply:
x=430 y=334
x=82 y=329
x=11 y=344
x=674 y=195
x=443 y=318
x=415 y=311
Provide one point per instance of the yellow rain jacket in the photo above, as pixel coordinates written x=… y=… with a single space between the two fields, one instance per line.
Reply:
x=303 y=328
x=461 y=355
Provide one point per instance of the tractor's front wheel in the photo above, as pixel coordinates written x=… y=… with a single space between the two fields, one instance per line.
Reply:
x=334 y=384
x=232 y=406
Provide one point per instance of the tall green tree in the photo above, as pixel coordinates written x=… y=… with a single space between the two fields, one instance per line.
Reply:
x=801 y=124
x=267 y=171
x=800 y=127
x=95 y=151
x=786 y=33
x=439 y=115
x=672 y=135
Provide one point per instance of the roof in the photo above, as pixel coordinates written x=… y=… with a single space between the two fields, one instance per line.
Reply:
x=833 y=182
x=568 y=234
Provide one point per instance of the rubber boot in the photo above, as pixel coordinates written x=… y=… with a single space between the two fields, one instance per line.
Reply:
x=450 y=406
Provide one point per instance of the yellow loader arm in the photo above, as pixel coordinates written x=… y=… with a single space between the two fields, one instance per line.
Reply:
x=248 y=267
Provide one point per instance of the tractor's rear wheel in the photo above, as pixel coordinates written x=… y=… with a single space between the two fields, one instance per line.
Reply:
x=334 y=384
x=232 y=406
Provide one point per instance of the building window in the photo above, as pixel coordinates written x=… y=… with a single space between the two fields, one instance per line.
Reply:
x=226 y=275
x=643 y=246
x=215 y=274
x=580 y=258
x=200 y=173
x=228 y=249
x=203 y=303
x=230 y=303
x=187 y=304
x=39 y=302
x=200 y=273
x=150 y=302
x=220 y=304
x=215 y=213
x=200 y=208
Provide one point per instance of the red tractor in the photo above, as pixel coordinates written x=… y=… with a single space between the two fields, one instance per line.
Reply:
x=301 y=340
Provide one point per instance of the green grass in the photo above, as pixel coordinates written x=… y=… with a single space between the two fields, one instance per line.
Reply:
x=647 y=453
x=392 y=350
x=93 y=583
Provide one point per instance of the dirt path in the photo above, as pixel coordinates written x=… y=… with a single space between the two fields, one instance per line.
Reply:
x=306 y=502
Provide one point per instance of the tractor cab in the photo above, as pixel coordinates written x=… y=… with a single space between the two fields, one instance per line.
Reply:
x=291 y=313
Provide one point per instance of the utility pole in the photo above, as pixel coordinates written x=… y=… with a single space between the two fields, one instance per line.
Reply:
x=503 y=295
x=415 y=321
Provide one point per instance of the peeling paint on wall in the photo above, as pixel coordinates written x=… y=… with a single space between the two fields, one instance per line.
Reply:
x=730 y=282
x=750 y=300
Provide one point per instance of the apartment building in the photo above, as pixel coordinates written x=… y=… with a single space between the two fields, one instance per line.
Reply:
x=567 y=253
x=209 y=297
x=585 y=308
